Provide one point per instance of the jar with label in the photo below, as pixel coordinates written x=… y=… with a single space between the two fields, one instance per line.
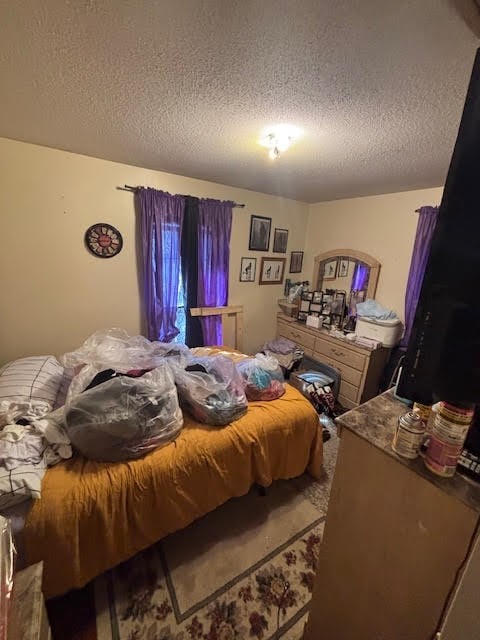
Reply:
x=409 y=435
x=449 y=430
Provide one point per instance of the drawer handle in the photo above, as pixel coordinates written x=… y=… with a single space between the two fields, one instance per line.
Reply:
x=338 y=353
x=296 y=335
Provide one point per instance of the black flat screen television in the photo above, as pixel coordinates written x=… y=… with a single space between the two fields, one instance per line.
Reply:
x=442 y=361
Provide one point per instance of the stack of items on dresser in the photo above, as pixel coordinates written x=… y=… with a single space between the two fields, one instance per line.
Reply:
x=116 y=398
x=376 y=326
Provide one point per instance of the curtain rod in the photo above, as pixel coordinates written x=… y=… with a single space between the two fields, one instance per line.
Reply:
x=434 y=206
x=127 y=187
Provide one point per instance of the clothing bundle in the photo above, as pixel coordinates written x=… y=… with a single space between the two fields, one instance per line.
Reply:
x=262 y=376
x=211 y=389
x=372 y=309
x=125 y=417
x=117 y=397
x=285 y=352
x=122 y=402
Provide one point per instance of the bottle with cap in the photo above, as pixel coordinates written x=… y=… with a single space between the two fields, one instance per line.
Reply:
x=409 y=435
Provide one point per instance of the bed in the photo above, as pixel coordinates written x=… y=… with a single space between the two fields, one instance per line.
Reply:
x=92 y=516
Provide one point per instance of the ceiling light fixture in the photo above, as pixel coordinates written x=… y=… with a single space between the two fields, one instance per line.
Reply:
x=278 y=138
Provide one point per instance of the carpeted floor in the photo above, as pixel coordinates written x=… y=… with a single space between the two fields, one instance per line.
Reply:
x=245 y=570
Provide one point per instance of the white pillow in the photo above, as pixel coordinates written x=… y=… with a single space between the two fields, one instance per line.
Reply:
x=29 y=387
x=21 y=484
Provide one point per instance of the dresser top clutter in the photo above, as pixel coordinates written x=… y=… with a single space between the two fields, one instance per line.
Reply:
x=320 y=321
x=360 y=367
x=376 y=421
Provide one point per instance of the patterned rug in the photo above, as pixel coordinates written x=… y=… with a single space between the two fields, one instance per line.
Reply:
x=246 y=570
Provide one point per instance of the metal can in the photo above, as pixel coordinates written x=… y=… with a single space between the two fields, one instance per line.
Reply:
x=422 y=410
x=409 y=435
x=449 y=430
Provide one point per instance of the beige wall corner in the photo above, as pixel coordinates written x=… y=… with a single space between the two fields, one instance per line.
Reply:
x=383 y=226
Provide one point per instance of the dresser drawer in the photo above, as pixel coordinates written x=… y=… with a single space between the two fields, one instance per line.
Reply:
x=340 y=354
x=297 y=335
x=348 y=374
x=348 y=391
x=347 y=403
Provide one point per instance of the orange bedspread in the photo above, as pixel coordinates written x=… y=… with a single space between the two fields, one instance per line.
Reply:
x=92 y=516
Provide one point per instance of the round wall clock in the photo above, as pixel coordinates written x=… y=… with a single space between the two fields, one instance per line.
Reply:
x=103 y=240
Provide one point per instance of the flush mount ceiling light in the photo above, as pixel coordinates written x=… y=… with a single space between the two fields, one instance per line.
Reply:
x=278 y=138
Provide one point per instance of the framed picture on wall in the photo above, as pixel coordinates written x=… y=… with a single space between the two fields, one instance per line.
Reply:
x=343 y=267
x=259 y=233
x=248 y=266
x=330 y=269
x=296 y=261
x=280 y=241
x=271 y=270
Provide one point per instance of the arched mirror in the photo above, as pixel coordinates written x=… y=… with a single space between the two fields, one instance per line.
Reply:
x=349 y=270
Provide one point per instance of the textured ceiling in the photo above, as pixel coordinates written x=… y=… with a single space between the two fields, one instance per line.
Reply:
x=185 y=86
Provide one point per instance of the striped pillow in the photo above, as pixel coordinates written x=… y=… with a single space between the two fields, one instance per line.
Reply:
x=30 y=381
x=21 y=484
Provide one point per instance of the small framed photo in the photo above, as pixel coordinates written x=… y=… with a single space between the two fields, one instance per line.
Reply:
x=280 y=241
x=330 y=269
x=304 y=305
x=316 y=308
x=271 y=270
x=307 y=295
x=259 y=233
x=317 y=297
x=248 y=267
x=343 y=267
x=302 y=316
x=338 y=306
x=296 y=261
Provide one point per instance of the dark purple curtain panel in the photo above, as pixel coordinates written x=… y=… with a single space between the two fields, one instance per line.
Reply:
x=427 y=219
x=214 y=230
x=161 y=219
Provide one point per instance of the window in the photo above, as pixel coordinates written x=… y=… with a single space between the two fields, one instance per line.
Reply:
x=180 y=322
x=170 y=247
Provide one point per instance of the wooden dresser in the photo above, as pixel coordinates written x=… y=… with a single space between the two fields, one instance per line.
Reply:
x=398 y=543
x=360 y=367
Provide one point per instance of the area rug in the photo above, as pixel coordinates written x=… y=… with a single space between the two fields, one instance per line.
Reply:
x=245 y=570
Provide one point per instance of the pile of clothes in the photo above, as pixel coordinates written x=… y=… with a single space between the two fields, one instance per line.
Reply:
x=285 y=352
x=263 y=378
x=211 y=389
x=119 y=397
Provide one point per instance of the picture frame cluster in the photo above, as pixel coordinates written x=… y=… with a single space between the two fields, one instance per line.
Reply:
x=272 y=269
x=328 y=305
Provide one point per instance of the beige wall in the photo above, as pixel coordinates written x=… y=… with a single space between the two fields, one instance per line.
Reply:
x=54 y=293
x=383 y=226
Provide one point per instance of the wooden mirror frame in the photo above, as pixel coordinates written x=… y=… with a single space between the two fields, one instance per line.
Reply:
x=351 y=254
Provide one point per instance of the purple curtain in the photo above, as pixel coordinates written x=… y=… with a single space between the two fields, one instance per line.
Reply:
x=360 y=277
x=214 y=229
x=427 y=219
x=161 y=219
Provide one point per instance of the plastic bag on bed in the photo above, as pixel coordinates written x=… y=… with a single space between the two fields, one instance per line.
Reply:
x=262 y=377
x=211 y=389
x=116 y=349
x=124 y=418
